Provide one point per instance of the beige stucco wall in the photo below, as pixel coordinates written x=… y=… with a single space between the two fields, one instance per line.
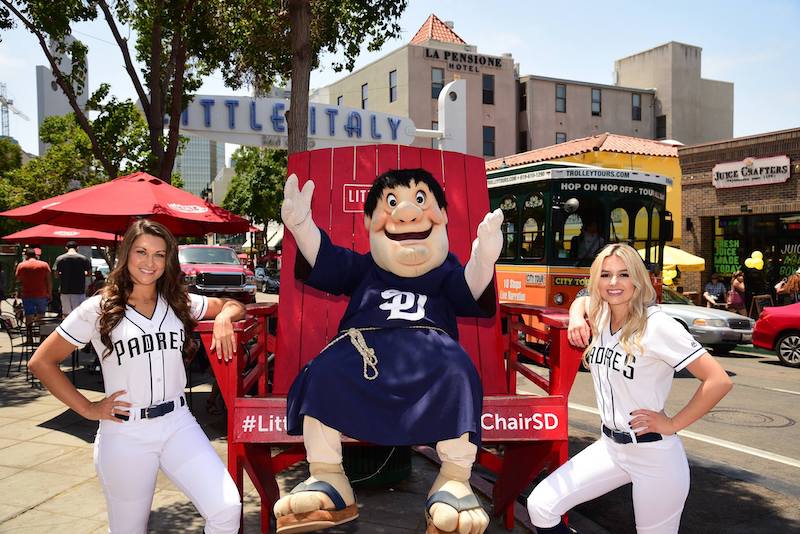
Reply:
x=414 y=93
x=376 y=76
x=578 y=121
x=697 y=110
x=716 y=113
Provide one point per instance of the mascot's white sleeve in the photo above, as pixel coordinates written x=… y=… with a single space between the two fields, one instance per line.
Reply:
x=486 y=248
x=296 y=216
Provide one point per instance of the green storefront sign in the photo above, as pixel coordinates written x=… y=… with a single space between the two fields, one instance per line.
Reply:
x=726 y=256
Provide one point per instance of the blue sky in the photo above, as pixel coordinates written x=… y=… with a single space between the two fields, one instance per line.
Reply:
x=754 y=44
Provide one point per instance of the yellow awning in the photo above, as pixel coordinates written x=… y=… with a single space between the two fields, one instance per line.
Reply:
x=675 y=257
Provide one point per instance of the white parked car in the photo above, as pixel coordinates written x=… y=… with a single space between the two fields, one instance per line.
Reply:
x=720 y=330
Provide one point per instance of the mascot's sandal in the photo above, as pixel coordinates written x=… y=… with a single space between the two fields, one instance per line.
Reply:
x=317 y=519
x=465 y=503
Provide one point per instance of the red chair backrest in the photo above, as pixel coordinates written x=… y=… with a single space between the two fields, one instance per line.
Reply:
x=342 y=176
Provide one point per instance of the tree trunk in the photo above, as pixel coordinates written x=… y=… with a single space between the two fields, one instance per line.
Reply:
x=155 y=120
x=300 y=37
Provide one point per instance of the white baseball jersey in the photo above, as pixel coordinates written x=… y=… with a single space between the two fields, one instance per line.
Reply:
x=644 y=383
x=146 y=357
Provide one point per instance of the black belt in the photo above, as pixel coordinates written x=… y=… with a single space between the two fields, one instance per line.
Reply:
x=624 y=437
x=152 y=412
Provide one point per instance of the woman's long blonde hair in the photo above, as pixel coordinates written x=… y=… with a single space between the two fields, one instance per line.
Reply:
x=644 y=294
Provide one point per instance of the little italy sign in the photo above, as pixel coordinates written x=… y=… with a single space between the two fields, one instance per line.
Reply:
x=262 y=122
x=751 y=171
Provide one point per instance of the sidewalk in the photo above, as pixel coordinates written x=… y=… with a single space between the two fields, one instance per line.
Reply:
x=49 y=484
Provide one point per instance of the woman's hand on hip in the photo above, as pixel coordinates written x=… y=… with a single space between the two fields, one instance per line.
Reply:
x=108 y=408
x=645 y=421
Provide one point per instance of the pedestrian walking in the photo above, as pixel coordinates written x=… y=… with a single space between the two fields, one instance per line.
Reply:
x=141 y=326
x=633 y=353
x=36 y=288
x=72 y=268
x=736 y=301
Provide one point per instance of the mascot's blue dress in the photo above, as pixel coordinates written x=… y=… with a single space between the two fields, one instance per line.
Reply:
x=419 y=385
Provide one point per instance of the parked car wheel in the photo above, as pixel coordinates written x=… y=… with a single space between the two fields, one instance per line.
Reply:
x=722 y=349
x=788 y=349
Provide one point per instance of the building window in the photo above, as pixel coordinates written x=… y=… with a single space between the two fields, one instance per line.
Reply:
x=364 y=96
x=488 y=140
x=561 y=137
x=561 y=98
x=434 y=142
x=661 y=127
x=437 y=82
x=596 y=102
x=522 y=141
x=636 y=106
x=488 y=88
x=393 y=86
x=523 y=96
x=339 y=100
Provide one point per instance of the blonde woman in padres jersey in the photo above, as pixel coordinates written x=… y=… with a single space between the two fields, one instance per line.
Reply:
x=634 y=350
x=140 y=324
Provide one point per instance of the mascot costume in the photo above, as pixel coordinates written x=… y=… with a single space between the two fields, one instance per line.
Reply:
x=395 y=374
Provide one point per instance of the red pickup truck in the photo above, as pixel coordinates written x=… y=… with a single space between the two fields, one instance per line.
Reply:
x=215 y=271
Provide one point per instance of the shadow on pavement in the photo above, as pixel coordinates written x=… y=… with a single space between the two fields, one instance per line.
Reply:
x=716 y=503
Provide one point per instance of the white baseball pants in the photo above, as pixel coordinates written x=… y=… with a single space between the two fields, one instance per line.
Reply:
x=658 y=470
x=127 y=457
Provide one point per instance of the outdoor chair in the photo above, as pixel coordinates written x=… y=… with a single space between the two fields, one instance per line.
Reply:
x=16 y=336
x=255 y=383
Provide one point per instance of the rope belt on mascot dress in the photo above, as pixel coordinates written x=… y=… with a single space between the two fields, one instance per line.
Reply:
x=367 y=353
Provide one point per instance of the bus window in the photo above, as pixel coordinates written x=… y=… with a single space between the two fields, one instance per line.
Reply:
x=619 y=230
x=509 y=227
x=533 y=230
x=572 y=228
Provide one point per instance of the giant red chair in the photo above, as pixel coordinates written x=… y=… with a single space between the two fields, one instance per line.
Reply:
x=522 y=433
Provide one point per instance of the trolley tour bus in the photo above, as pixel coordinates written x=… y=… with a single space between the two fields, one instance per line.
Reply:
x=557 y=216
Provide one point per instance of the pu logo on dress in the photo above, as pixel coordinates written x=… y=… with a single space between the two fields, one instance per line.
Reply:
x=399 y=302
x=187 y=208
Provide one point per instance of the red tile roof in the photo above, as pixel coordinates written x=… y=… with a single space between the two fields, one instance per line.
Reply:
x=436 y=30
x=606 y=142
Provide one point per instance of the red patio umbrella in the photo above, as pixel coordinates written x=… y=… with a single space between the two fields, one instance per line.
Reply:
x=47 y=234
x=113 y=205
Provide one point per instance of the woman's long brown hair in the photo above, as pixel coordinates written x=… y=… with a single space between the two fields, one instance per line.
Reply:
x=120 y=284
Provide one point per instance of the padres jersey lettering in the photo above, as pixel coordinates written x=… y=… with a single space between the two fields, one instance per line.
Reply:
x=645 y=382
x=146 y=359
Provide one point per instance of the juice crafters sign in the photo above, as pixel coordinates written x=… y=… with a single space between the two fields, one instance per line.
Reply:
x=751 y=171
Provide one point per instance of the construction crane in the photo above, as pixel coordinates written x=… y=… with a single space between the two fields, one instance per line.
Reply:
x=6 y=105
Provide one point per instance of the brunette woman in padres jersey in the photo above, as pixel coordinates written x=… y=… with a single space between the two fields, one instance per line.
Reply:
x=634 y=351
x=140 y=325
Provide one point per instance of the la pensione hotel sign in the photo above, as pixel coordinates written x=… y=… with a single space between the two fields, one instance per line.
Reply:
x=464 y=61
x=751 y=171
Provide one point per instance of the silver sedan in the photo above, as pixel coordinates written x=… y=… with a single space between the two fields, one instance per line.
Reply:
x=720 y=330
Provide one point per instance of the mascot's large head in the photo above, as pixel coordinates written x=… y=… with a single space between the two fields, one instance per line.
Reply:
x=406 y=219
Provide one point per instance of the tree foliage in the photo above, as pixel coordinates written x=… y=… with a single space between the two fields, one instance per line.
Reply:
x=256 y=190
x=10 y=155
x=171 y=43
x=291 y=35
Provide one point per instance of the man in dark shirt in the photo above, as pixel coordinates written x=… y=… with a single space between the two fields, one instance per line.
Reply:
x=72 y=268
